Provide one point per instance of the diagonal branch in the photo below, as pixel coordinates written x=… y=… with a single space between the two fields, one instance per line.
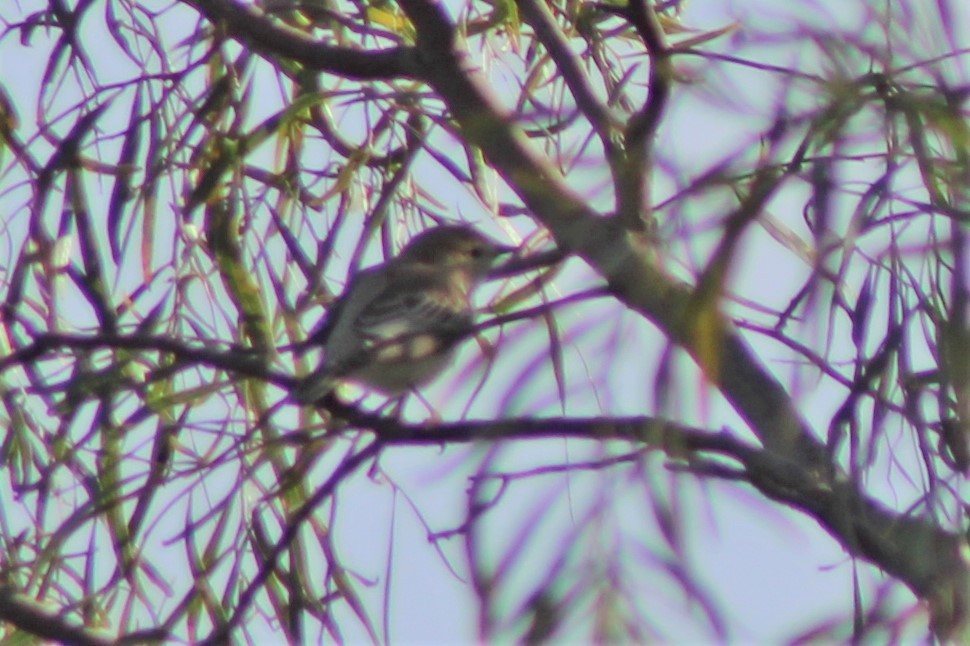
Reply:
x=33 y=618
x=621 y=257
x=249 y=26
x=917 y=551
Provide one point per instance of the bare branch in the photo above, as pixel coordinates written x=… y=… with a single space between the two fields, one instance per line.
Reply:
x=254 y=29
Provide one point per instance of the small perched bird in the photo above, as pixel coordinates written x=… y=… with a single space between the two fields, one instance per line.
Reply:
x=396 y=324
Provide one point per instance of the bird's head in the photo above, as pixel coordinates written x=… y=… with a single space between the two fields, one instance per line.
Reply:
x=454 y=247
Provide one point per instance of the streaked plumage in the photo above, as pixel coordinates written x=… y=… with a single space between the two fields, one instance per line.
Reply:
x=396 y=324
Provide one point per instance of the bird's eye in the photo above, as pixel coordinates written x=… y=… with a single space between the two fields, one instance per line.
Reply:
x=476 y=252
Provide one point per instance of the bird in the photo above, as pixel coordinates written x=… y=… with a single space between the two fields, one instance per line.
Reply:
x=396 y=325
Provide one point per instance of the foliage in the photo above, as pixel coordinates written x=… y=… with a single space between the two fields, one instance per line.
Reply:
x=745 y=273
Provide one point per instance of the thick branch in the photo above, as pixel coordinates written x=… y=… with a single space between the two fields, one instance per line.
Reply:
x=30 y=617
x=923 y=555
x=623 y=258
x=254 y=29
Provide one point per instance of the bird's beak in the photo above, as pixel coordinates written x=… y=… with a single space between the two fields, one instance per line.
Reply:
x=530 y=262
x=499 y=253
x=503 y=250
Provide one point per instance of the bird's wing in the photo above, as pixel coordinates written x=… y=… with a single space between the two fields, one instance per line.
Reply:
x=363 y=287
x=336 y=332
x=415 y=302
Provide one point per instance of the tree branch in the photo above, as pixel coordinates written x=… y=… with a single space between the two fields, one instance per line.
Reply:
x=641 y=130
x=31 y=617
x=249 y=26
x=918 y=552
x=544 y=25
x=237 y=360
